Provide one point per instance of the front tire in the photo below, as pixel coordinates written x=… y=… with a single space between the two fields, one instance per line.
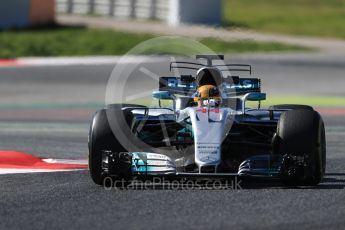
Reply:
x=302 y=133
x=101 y=137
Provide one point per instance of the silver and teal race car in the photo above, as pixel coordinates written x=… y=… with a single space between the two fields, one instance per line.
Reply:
x=208 y=132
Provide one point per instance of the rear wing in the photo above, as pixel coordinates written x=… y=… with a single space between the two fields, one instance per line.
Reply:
x=186 y=86
x=221 y=67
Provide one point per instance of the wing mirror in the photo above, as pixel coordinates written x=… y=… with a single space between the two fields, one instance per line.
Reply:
x=255 y=96
x=163 y=95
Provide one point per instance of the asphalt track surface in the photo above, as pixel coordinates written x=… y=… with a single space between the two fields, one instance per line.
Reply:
x=46 y=111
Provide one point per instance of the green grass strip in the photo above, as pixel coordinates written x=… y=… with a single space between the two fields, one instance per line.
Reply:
x=298 y=17
x=85 y=42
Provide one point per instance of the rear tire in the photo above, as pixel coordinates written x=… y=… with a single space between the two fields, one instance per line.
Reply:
x=101 y=137
x=290 y=107
x=300 y=133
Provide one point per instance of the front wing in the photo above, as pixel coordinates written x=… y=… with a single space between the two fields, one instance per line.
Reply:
x=130 y=165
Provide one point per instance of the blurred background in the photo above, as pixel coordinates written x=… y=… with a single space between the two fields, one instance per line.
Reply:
x=297 y=47
x=260 y=25
x=56 y=57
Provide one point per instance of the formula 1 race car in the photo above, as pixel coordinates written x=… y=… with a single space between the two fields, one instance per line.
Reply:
x=208 y=132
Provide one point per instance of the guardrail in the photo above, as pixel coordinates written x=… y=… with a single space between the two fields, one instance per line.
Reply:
x=127 y=9
x=174 y=12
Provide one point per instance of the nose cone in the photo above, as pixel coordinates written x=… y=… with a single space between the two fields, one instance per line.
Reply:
x=209 y=129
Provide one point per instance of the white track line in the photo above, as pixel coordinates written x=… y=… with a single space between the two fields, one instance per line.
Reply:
x=17 y=171
x=66 y=161
x=90 y=60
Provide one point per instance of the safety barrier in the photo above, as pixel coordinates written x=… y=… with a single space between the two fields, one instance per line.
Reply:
x=174 y=12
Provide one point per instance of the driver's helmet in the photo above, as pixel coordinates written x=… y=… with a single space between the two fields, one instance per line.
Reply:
x=207 y=95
